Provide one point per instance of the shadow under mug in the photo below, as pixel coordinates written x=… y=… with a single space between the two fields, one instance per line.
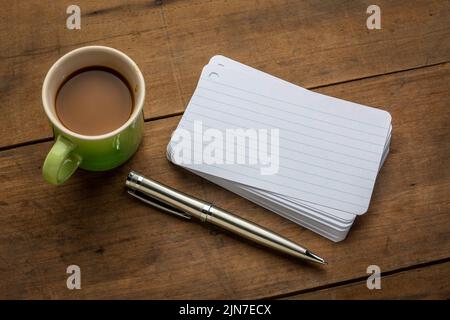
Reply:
x=95 y=153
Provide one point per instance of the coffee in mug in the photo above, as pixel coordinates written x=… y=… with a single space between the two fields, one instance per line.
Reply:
x=94 y=101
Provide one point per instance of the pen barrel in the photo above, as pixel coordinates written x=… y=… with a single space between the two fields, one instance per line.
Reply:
x=255 y=233
x=186 y=206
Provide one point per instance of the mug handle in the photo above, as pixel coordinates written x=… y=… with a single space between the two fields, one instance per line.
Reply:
x=61 y=162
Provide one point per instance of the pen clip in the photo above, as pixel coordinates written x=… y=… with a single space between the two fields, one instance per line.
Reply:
x=159 y=206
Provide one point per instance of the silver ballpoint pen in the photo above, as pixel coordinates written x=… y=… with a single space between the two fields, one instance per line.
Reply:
x=182 y=205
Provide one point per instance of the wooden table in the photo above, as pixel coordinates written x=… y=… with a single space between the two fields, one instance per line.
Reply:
x=127 y=250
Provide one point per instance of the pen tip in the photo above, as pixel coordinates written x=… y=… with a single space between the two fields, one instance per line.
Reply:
x=315 y=257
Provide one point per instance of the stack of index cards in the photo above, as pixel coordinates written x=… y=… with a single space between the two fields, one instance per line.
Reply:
x=308 y=157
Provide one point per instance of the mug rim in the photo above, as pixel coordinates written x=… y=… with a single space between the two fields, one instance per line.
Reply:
x=139 y=104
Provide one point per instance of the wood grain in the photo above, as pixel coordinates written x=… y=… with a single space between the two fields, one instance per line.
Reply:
x=309 y=43
x=431 y=283
x=127 y=250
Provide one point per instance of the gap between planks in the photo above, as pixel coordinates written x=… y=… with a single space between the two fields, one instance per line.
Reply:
x=356 y=280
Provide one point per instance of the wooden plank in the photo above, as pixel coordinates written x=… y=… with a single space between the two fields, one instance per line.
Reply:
x=33 y=50
x=128 y=250
x=29 y=28
x=432 y=282
x=310 y=43
x=305 y=42
x=21 y=82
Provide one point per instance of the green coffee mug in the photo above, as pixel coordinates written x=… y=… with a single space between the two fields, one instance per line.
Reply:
x=96 y=153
